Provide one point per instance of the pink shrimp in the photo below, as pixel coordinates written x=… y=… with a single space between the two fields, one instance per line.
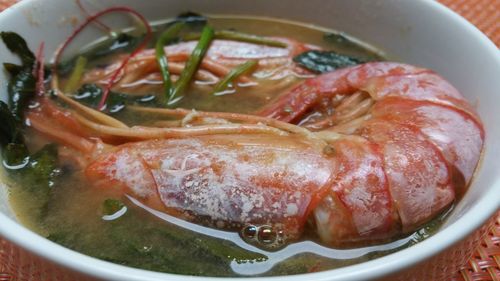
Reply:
x=226 y=175
x=381 y=149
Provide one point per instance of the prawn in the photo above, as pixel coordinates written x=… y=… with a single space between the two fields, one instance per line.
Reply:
x=311 y=157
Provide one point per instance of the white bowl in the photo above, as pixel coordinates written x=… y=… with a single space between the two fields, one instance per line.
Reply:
x=421 y=32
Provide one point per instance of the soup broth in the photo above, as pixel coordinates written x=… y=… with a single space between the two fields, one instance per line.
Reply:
x=103 y=223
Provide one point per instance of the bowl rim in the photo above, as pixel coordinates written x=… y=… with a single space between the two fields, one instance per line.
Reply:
x=475 y=217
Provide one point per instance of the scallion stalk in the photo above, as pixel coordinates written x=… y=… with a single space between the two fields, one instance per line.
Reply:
x=239 y=36
x=250 y=38
x=76 y=75
x=192 y=65
x=161 y=58
x=233 y=74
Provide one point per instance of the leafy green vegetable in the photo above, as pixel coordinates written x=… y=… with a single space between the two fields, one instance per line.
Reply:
x=122 y=42
x=12 y=69
x=324 y=61
x=17 y=45
x=35 y=174
x=21 y=89
x=9 y=132
x=111 y=206
x=21 y=86
x=76 y=75
x=43 y=165
x=191 y=65
x=233 y=74
x=90 y=95
x=167 y=36
x=15 y=156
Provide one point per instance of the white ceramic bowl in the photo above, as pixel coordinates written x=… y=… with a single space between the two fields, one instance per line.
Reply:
x=418 y=32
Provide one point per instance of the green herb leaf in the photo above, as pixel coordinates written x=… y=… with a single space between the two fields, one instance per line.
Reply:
x=15 y=156
x=324 y=61
x=40 y=176
x=90 y=95
x=122 y=42
x=21 y=89
x=12 y=69
x=17 y=45
x=8 y=128
x=43 y=165
x=21 y=86
x=111 y=206
x=191 y=65
x=233 y=74
x=35 y=175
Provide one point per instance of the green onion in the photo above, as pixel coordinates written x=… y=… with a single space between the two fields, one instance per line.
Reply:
x=239 y=36
x=192 y=65
x=233 y=74
x=244 y=37
x=76 y=75
x=161 y=58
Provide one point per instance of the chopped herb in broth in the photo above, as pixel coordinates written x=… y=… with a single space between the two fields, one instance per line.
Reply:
x=66 y=176
x=324 y=61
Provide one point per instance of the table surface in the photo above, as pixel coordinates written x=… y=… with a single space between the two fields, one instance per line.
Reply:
x=485 y=15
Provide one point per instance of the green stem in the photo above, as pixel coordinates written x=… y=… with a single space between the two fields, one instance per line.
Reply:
x=192 y=65
x=76 y=75
x=244 y=37
x=239 y=36
x=233 y=74
x=161 y=58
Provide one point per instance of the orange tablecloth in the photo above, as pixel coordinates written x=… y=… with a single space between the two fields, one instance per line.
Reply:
x=485 y=14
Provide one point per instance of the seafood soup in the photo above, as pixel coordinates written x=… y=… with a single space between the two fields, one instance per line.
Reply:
x=231 y=146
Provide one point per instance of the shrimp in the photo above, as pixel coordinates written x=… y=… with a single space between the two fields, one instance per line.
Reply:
x=418 y=142
x=360 y=155
x=258 y=172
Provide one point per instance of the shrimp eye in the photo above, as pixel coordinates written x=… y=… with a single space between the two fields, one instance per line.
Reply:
x=249 y=232
x=267 y=235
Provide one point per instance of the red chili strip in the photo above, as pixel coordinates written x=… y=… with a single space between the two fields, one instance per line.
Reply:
x=39 y=71
x=124 y=62
x=100 y=24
